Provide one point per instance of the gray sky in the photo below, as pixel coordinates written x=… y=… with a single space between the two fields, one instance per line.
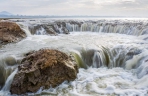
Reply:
x=76 y=7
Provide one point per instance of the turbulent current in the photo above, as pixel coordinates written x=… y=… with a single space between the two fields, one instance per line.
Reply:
x=112 y=55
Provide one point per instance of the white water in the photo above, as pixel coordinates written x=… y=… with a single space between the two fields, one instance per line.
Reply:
x=123 y=26
x=97 y=52
x=100 y=82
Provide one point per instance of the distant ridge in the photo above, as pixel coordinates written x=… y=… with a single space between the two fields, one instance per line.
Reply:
x=5 y=13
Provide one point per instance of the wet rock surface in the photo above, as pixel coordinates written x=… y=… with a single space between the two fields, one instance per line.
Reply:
x=42 y=29
x=49 y=29
x=132 y=52
x=44 y=68
x=10 y=32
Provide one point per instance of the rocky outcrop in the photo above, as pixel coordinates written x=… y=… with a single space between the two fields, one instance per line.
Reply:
x=44 y=68
x=61 y=27
x=49 y=29
x=76 y=23
x=10 y=32
x=42 y=29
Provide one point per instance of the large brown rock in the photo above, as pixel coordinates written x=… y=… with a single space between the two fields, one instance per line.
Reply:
x=43 y=68
x=10 y=32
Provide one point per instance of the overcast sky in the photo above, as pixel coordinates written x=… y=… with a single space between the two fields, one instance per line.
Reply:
x=76 y=7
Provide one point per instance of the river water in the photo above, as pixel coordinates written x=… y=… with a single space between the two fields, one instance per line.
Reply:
x=112 y=61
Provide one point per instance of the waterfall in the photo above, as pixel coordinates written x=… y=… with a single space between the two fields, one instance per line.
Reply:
x=110 y=28
x=7 y=66
x=97 y=61
x=112 y=55
x=63 y=27
x=115 y=57
x=26 y=31
x=9 y=81
x=41 y=31
x=25 y=28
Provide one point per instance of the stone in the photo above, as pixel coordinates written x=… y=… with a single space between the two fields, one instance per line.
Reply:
x=10 y=61
x=10 y=32
x=42 y=27
x=44 y=68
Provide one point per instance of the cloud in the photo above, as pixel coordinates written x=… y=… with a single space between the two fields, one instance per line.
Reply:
x=76 y=7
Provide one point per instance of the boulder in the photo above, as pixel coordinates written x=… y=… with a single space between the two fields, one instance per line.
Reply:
x=44 y=68
x=42 y=29
x=10 y=32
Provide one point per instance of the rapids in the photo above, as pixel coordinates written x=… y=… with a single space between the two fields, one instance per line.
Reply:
x=112 y=56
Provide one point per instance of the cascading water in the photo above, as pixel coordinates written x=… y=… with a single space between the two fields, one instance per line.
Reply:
x=24 y=27
x=129 y=27
x=41 y=31
x=110 y=63
x=133 y=29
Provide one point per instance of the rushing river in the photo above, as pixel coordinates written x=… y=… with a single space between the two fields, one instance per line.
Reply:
x=113 y=60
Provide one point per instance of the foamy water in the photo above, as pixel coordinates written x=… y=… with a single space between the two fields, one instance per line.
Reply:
x=100 y=81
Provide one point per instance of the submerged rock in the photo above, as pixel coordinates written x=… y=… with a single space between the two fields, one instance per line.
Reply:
x=10 y=32
x=44 y=68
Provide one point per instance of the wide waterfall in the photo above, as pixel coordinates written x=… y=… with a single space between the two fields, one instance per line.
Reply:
x=112 y=55
x=129 y=27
